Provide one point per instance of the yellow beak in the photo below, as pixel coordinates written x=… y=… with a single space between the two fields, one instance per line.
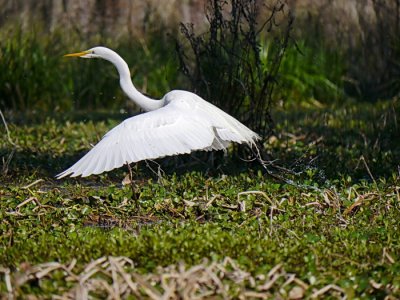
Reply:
x=78 y=54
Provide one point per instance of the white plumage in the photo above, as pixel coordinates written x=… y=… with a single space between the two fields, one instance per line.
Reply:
x=181 y=122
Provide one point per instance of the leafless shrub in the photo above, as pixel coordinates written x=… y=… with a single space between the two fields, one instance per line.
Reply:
x=225 y=64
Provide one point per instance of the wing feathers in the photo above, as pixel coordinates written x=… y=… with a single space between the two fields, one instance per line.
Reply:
x=177 y=128
x=123 y=145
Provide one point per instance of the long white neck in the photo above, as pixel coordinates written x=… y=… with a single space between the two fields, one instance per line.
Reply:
x=129 y=89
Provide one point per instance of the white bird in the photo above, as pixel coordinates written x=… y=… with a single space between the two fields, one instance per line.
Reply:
x=181 y=122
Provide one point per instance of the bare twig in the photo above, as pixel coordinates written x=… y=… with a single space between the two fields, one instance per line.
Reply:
x=132 y=185
x=326 y=289
x=159 y=173
x=6 y=162
x=362 y=158
x=7 y=130
x=7 y=279
x=32 y=184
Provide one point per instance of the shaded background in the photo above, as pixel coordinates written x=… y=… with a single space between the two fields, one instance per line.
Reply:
x=339 y=50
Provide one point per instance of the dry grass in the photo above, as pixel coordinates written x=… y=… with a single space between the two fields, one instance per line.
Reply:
x=116 y=278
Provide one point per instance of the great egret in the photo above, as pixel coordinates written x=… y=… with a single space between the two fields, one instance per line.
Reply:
x=181 y=122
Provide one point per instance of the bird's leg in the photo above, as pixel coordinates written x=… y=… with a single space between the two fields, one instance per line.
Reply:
x=133 y=187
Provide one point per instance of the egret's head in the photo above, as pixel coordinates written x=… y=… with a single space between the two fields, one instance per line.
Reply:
x=104 y=53
x=96 y=52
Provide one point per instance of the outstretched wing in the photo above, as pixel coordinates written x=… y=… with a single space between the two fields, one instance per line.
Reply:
x=187 y=123
x=162 y=132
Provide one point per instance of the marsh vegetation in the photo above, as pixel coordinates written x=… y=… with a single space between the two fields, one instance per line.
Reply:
x=204 y=226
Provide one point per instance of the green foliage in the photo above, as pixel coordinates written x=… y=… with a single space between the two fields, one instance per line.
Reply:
x=35 y=76
x=311 y=72
x=24 y=74
x=337 y=225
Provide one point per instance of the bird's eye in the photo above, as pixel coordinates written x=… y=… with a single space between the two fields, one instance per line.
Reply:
x=92 y=51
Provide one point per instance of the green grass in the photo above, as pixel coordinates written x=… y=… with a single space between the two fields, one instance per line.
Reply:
x=338 y=225
x=310 y=72
x=34 y=75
